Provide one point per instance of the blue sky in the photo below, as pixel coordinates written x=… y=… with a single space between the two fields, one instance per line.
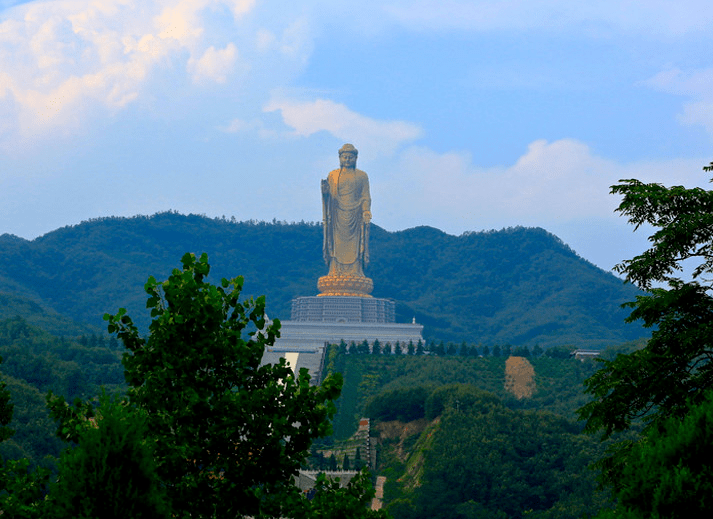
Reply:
x=468 y=115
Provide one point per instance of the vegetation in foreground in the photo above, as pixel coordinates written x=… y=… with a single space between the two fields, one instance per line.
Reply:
x=204 y=430
x=667 y=384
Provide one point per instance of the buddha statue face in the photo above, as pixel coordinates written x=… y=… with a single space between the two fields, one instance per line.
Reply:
x=347 y=159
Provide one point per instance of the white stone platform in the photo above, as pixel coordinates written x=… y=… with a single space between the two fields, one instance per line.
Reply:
x=307 y=335
x=303 y=343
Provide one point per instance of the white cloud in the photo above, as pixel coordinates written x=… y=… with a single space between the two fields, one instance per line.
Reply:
x=215 y=64
x=696 y=85
x=553 y=182
x=61 y=58
x=310 y=117
x=255 y=126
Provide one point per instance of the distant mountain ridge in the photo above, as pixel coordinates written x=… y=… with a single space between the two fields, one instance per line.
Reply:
x=515 y=286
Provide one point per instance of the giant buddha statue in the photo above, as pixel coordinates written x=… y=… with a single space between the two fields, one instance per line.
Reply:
x=346 y=212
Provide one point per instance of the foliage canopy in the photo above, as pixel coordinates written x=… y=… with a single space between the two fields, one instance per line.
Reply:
x=664 y=382
x=229 y=433
x=659 y=380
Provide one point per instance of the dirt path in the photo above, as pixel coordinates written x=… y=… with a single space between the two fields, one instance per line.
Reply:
x=519 y=377
x=379 y=487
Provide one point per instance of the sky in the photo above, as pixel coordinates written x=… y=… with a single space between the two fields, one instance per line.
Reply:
x=468 y=115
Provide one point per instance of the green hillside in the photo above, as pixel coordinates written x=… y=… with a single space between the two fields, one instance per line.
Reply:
x=452 y=442
x=35 y=362
x=516 y=286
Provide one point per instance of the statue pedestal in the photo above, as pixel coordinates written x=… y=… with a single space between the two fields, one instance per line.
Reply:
x=343 y=309
x=345 y=286
x=325 y=319
x=304 y=343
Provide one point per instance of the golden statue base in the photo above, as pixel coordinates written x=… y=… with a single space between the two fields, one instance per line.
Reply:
x=358 y=286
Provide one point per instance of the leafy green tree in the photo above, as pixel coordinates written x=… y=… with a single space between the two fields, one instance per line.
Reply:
x=402 y=403
x=21 y=488
x=376 y=347
x=521 y=351
x=345 y=462
x=358 y=462
x=411 y=349
x=397 y=348
x=464 y=350
x=559 y=352
x=229 y=433
x=419 y=347
x=672 y=373
x=363 y=347
x=387 y=348
x=111 y=473
x=668 y=474
x=6 y=408
x=332 y=502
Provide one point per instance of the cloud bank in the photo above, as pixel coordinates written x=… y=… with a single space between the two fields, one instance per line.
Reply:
x=307 y=118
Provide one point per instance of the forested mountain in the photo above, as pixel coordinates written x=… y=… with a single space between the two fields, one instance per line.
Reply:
x=454 y=442
x=516 y=286
x=35 y=362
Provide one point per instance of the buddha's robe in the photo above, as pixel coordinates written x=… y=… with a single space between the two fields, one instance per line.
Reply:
x=346 y=234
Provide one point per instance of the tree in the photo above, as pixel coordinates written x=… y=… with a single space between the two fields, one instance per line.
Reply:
x=6 y=408
x=667 y=474
x=358 y=462
x=229 y=433
x=376 y=347
x=559 y=352
x=671 y=374
x=111 y=473
x=21 y=488
x=363 y=347
x=521 y=351
x=332 y=502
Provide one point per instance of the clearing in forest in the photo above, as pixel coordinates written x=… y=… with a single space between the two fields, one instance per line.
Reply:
x=519 y=377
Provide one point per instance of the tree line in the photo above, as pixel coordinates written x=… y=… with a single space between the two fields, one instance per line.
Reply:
x=442 y=349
